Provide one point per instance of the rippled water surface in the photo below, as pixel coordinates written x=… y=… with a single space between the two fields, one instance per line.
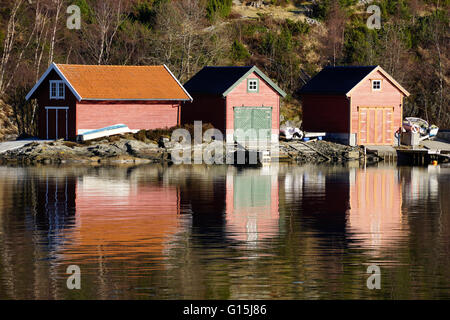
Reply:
x=277 y=232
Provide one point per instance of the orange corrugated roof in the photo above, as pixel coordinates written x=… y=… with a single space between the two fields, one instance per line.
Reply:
x=123 y=82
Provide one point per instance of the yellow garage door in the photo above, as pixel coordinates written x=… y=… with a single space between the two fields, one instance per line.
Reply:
x=376 y=126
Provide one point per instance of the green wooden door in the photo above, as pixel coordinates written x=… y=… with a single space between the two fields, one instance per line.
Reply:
x=255 y=122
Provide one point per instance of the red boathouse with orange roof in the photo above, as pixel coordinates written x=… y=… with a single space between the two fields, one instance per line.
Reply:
x=73 y=99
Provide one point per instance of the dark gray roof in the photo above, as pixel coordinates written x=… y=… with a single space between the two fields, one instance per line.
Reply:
x=221 y=80
x=336 y=80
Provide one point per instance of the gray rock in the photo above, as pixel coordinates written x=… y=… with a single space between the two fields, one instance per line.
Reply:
x=145 y=151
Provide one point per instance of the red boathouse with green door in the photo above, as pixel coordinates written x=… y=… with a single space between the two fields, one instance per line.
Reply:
x=232 y=98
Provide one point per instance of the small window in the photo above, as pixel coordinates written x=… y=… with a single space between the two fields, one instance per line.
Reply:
x=252 y=85
x=57 y=89
x=376 y=84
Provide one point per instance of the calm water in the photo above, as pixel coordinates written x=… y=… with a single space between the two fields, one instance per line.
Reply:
x=279 y=232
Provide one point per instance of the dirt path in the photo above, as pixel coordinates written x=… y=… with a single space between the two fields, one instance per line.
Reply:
x=277 y=12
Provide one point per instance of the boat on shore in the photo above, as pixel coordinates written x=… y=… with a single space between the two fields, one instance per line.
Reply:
x=421 y=126
x=104 y=132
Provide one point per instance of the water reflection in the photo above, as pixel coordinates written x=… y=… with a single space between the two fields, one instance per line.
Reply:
x=106 y=226
x=54 y=208
x=375 y=215
x=223 y=232
x=252 y=204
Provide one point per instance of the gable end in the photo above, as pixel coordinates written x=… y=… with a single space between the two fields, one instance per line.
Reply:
x=263 y=77
x=53 y=67
x=384 y=74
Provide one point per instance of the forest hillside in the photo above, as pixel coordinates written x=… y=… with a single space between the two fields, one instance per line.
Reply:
x=290 y=40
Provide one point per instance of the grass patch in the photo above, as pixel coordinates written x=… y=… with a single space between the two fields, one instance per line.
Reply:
x=153 y=135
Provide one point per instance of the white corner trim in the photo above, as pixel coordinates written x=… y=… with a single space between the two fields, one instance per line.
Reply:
x=53 y=66
x=170 y=72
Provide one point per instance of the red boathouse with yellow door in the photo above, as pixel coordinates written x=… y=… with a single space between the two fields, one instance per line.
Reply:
x=356 y=105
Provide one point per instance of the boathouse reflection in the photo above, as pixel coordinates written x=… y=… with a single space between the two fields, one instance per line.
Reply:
x=55 y=202
x=354 y=206
x=217 y=232
x=231 y=204
x=122 y=217
x=375 y=217
x=140 y=209
x=252 y=204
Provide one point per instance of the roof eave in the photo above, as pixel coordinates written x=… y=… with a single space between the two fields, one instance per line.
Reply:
x=181 y=86
x=133 y=99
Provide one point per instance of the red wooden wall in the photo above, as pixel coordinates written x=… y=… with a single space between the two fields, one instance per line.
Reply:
x=207 y=108
x=136 y=115
x=322 y=113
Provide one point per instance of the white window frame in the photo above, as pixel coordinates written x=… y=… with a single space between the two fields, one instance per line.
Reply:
x=59 y=94
x=373 y=83
x=249 y=84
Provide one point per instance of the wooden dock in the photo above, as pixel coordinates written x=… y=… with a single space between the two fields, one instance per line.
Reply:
x=386 y=153
x=422 y=156
x=427 y=152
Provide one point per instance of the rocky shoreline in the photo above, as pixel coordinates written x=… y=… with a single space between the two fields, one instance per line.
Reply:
x=128 y=150
x=319 y=151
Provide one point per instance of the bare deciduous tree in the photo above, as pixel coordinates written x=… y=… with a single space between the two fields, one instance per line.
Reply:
x=183 y=41
x=8 y=44
x=108 y=15
x=334 y=40
x=57 y=5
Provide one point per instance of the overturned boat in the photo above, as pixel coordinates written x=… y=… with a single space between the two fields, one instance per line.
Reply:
x=104 y=132
x=421 y=126
x=291 y=133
